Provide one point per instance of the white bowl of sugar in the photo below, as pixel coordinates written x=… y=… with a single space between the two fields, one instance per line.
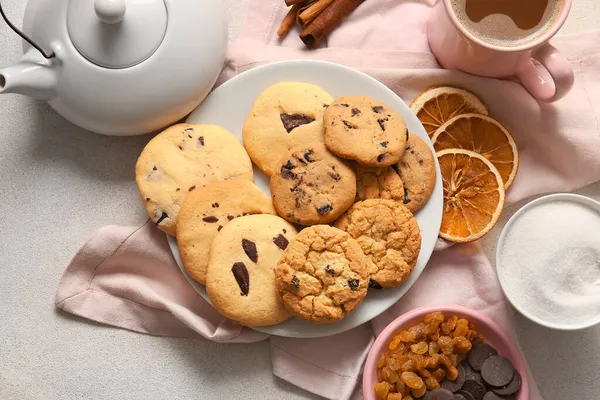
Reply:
x=548 y=261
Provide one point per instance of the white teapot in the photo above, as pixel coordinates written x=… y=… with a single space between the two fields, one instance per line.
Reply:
x=119 y=67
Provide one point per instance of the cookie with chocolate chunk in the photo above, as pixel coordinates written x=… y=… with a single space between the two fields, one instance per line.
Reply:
x=390 y=237
x=312 y=186
x=207 y=210
x=366 y=130
x=417 y=172
x=283 y=116
x=181 y=158
x=322 y=275
x=240 y=282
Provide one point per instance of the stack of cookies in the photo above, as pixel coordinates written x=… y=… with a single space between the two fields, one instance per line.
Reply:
x=345 y=172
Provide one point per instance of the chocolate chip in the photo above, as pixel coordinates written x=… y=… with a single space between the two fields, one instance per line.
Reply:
x=470 y=373
x=178 y=189
x=292 y=121
x=494 y=396
x=329 y=270
x=287 y=174
x=335 y=176
x=479 y=353
x=406 y=197
x=457 y=396
x=284 y=231
x=384 y=144
x=147 y=198
x=326 y=209
x=295 y=282
x=457 y=384
x=407 y=134
x=308 y=156
x=216 y=205
x=219 y=228
x=374 y=284
x=211 y=219
x=476 y=389
x=201 y=141
x=250 y=249
x=249 y=213
x=230 y=217
x=162 y=218
x=407 y=148
x=355 y=111
x=280 y=241
x=189 y=131
x=180 y=148
x=289 y=214
x=497 y=371
x=240 y=272
x=353 y=283
x=300 y=194
x=381 y=123
x=512 y=388
x=348 y=125
x=465 y=395
x=154 y=168
x=395 y=168
x=440 y=394
x=377 y=109
x=288 y=165
x=342 y=105
x=381 y=157
x=191 y=188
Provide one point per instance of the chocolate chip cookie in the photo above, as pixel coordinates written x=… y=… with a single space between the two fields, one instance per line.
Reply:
x=181 y=158
x=390 y=237
x=284 y=115
x=240 y=282
x=378 y=183
x=322 y=275
x=366 y=130
x=207 y=210
x=417 y=171
x=312 y=186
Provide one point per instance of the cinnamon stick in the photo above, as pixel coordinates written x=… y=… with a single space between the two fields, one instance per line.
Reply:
x=327 y=21
x=292 y=2
x=288 y=21
x=309 y=12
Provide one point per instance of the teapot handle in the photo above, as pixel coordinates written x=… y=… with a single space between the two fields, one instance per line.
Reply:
x=24 y=36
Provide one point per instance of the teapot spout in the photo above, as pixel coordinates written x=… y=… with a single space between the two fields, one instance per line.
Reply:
x=32 y=76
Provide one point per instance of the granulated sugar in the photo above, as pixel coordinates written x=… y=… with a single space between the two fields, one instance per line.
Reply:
x=550 y=262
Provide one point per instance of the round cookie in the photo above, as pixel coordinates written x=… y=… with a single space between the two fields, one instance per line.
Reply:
x=181 y=158
x=240 y=282
x=378 y=183
x=312 y=186
x=390 y=237
x=207 y=210
x=417 y=171
x=283 y=116
x=322 y=275
x=366 y=130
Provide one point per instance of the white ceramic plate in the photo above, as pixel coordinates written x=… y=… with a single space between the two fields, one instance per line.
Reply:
x=228 y=107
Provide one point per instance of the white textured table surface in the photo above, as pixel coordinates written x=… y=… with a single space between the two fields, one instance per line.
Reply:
x=58 y=184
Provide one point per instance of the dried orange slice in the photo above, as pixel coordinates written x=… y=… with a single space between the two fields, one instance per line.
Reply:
x=473 y=195
x=483 y=135
x=439 y=104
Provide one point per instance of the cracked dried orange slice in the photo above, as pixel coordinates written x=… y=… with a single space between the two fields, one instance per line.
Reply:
x=473 y=195
x=439 y=104
x=483 y=135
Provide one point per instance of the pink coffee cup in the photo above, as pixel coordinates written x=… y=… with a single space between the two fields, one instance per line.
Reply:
x=456 y=48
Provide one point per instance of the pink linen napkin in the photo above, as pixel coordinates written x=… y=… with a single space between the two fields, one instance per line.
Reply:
x=126 y=276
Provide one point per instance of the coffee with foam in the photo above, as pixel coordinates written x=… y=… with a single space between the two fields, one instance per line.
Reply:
x=507 y=23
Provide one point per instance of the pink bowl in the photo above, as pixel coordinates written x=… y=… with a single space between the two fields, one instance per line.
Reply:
x=494 y=335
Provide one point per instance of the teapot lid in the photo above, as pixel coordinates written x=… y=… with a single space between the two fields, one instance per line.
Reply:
x=117 y=33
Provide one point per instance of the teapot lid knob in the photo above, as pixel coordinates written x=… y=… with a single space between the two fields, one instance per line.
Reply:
x=110 y=11
x=117 y=34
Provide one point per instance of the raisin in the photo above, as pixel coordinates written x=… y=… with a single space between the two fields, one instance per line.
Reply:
x=326 y=209
x=439 y=374
x=295 y=282
x=382 y=389
x=434 y=348
x=353 y=283
x=250 y=249
x=240 y=272
x=419 y=392
x=382 y=361
x=377 y=109
x=419 y=348
x=451 y=373
x=412 y=380
x=409 y=366
x=281 y=242
x=211 y=219
x=432 y=383
x=462 y=327
x=389 y=375
x=461 y=345
x=434 y=316
x=433 y=361
x=395 y=341
x=393 y=364
x=424 y=373
x=449 y=325
x=292 y=121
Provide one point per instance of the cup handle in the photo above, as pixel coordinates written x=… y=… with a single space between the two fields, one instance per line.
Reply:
x=559 y=68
